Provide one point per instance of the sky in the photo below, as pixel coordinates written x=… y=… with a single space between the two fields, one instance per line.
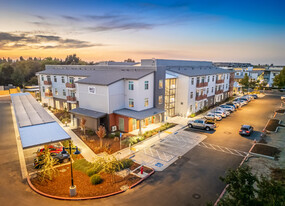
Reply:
x=214 y=30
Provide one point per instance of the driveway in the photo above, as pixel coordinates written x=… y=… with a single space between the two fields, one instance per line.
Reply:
x=191 y=180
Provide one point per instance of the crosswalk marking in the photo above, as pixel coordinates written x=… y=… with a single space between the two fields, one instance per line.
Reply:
x=223 y=149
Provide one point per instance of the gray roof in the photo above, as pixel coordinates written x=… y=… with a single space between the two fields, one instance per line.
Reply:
x=99 y=75
x=140 y=115
x=28 y=111
x=198 y=71
x=87 y=112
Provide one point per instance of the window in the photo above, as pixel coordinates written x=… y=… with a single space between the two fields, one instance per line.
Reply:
x=212 y=89
x=42 y=77
x=228 y=76
x=131 y=103
x=213 y=78
x=54 y=78
x=191 y=108
x=191 y=95
x=64 y=92
x=160 y=84
x=146 y=85
x=131 y=85
x=55 y=91
x=192 y=81
x=207 y=90
x=43 y=89
x=71 y=80
x=160 y=101
x=91 y=90
x=146 y=102
x=208 y=79
x=62 y=80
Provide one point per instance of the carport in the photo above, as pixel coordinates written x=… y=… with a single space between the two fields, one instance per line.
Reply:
x=36 y=127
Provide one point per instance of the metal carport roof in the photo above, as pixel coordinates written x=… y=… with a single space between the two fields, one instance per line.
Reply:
x=35 y=125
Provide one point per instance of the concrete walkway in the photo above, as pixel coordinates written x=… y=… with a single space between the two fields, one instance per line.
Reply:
x=86 y=152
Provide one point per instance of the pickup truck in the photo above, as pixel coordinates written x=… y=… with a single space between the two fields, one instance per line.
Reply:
x=202 y=124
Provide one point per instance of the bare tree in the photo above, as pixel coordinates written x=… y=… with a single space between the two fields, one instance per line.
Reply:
x=83 y=124
x=101 y=133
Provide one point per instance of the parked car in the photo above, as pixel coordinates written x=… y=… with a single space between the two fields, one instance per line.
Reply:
x=246 y=130
x=213 y=116
x=282 y=90
x=232 y=104
x=220 y=113
x=254 y=96
x=283 y=97
x=202 y=124
x=61 y=158
x=52 y=149
x=242 y=101
x=223 y=109
x=228 y=107
x=238 y=104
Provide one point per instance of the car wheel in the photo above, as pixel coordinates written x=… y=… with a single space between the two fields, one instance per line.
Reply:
x=190 y=125
x=208 y=128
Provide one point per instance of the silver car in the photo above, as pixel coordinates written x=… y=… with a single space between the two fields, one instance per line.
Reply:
x=213 y=116
x=220 y=113
x=228 y=107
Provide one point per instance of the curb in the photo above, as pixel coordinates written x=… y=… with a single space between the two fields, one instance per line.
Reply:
x=84 y=198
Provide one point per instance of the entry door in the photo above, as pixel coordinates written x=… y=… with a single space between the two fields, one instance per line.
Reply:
x=121 y=124
x=134 y=124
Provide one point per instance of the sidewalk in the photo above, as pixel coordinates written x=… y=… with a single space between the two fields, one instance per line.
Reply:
x=86 y=152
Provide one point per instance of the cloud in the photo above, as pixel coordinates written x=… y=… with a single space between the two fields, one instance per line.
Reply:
x=29 y=41
x=122 y=26
x=71 y=18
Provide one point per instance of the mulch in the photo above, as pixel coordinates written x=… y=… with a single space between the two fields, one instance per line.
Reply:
x=136 y=165
x=59 y=186
x=266 y=150
x=272 y=125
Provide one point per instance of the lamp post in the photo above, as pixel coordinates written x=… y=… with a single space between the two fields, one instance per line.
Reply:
x=72 y=188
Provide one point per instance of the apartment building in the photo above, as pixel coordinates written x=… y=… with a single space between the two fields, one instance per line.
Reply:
x=270 y=73
x=129 y=97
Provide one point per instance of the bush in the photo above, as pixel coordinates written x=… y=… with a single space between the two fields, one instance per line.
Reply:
x=82 y=165
x=111 y=135
x=95 y=179
x=90 y=132
x=94 y=170
x=127 y=163
x=117 y=134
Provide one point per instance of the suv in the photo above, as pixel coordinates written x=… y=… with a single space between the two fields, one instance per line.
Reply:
x=202 y=124
x=246 y=130
x=213 y=116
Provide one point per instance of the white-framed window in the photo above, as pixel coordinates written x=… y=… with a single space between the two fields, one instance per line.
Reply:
x=43 y=89
x=146 y=85
x=207 y=90
x=62 y=79
x=160 y=99
x=191 y=95
x=73 y=106
x=208 y=79
x=145 y=102
x=54 y=79
x=42 y=77
x=92 y=90
x=55 y=91
x=213 y=78
x=160 y=84
x=131 y=103
x=131 y=85
x=192 y=81
x=212 y=89
x=63 y=92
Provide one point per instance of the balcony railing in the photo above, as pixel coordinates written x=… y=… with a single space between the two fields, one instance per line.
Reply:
x=70 y=85
x=200 y=97
x=220 y=81
x=202 y=84
x=219 y=91
x=71 y=99
x=48 y=94
x=47 y=82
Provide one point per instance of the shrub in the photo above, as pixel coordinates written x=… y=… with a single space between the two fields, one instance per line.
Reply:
x=82 y=165
x=117 y=134
x=95 y=179
x=111 y=135
x=90 y=132
x=94 y=170
x=127 y=163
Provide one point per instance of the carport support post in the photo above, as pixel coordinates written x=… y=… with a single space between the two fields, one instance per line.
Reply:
x=72 y=188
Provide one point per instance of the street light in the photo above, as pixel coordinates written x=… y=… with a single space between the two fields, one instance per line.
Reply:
x=72 y=188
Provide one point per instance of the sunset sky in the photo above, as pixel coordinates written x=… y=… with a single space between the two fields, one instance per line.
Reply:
x=215 y=30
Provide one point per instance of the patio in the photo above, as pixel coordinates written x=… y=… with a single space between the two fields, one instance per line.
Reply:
x=147 y=128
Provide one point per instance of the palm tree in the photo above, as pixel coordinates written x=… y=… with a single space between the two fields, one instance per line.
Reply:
x=101 y=133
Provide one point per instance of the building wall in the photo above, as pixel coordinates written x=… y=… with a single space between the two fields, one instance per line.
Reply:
x=182 y=95
x=116 y=96
x=98 y=101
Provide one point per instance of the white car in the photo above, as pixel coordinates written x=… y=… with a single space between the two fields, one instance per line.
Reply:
x=220 y=113
x=222 y=109
x=213 y=116
x=228 y=107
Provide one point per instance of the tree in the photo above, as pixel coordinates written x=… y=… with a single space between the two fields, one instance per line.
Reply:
x=101 y=133
x=71 y=59
x=6 y=73
x=83 y=125
x=129 y=60
x=245 y=80
x=279 y=80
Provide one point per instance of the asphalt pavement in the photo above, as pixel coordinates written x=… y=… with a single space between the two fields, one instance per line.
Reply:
x=192 y=180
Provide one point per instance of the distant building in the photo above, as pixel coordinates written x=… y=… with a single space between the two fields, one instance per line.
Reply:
x=232 y=65
x=270 y=73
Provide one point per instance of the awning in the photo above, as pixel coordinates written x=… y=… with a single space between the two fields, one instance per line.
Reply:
x=87 y=112
x=36 y=127
x=41 y=134
x=140 y=115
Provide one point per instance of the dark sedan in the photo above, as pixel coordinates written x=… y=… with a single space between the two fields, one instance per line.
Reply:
x=246 y=130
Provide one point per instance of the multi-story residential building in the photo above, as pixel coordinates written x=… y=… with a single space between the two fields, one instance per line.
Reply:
x=270 y=73
x=128 y=97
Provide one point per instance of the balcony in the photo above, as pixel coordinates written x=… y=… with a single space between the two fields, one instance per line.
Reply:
x=48 y=94
x=202 y=84
x=70 y=85
x=71 y=99
x=200 y=97
x=219 y=91
x=48 y=82
x=220 y=81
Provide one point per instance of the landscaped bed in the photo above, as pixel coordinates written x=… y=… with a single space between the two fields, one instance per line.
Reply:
x=266 y=150
x=272 y=125
x=59 y=186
